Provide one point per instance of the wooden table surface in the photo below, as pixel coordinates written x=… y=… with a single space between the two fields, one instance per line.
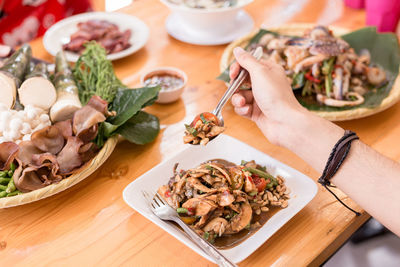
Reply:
x=90 y=224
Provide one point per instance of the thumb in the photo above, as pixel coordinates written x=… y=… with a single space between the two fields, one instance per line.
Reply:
x=245 y=59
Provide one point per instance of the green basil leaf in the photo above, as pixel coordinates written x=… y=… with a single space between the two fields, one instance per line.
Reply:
x=141 y=129
x=128 y=102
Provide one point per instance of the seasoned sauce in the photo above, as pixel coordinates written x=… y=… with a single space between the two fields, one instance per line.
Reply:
x=167 y=82
x=230 y=241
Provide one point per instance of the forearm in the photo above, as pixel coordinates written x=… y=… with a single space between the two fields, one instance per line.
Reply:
x=369 y=178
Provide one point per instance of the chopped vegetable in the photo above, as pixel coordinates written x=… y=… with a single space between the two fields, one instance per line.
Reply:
x=191 y=130
x=262 y=174
x=67 y=92
x=260 y=183
x=37 y=89
x=181 y=210
x=298 y=80
x=188 y=220
x=206 y=235
x=12 y=74
x=205 y=117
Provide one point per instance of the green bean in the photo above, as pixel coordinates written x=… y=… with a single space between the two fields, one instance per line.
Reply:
x=3 y=187
x=4 y=180
x=3 y=173
x=265 y=175
x=12 y=166
x=11 y=186
x=181 y=210
x=10 y=173
x=3 y=194
x=16 y=192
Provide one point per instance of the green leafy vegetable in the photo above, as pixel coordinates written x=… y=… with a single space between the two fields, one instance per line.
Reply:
x=298 y=80
x=208 y=167
x=94 y=74
x=141 y=129
x=206 y=235
x=191 y=130
x=203 y=119
x=128 y=102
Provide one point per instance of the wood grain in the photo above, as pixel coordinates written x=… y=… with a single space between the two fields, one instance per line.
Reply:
x=89 y=224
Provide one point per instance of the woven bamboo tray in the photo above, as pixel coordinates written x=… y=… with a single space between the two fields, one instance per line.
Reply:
x=66 y=183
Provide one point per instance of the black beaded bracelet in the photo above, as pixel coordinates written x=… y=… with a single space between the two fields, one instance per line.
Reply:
x=335 y=160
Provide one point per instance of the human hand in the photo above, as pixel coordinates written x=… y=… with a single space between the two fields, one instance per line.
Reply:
x=271 y=101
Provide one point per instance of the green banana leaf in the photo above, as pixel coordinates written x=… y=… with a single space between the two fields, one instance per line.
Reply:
x=385 y=52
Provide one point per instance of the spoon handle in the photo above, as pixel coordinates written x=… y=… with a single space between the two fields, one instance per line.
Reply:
x=258 y=52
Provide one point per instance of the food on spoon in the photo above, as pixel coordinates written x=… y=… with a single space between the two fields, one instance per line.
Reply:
x=104 y=32
x=12 y=73
x=67 y=92
x=204 y=127
x=206 y=4
x=37 y=89
x=224 y=202
x=324 y=67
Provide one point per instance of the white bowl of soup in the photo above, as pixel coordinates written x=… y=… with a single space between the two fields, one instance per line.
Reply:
x=207 y=16
x=172 y=81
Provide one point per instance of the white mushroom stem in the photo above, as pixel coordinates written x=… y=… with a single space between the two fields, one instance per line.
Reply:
x=341 y=103
x=38 y=92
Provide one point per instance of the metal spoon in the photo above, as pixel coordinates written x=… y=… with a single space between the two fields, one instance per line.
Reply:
x=243 y=74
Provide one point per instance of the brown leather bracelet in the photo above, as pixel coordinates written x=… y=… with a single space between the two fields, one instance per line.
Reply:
x=335 y=160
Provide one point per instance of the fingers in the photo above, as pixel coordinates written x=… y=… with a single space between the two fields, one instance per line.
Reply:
x=245 y=59
x=244 y=111
x=242 y=98
x=234 y=70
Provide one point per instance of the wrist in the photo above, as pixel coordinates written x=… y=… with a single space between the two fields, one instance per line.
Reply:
x=307 y=135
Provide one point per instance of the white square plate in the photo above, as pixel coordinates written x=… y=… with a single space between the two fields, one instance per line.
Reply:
x=303 y=190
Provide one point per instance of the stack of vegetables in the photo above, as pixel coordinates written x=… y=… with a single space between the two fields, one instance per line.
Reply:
x=51 y=125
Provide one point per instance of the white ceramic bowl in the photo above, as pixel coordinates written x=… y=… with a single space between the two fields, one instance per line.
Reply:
x=218 y=21
x=170 y=95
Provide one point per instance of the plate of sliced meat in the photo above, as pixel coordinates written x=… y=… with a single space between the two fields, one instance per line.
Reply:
x=120 y=34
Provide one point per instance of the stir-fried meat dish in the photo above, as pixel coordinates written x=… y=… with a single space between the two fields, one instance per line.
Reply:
x=324 y=66
x=105 y=33
x=203 y=128
x=205 y=3
x=220 y=199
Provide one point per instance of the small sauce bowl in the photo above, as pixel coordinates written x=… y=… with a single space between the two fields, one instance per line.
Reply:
x=171 y=94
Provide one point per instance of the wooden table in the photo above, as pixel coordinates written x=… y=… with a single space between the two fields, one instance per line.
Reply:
x=89 y=224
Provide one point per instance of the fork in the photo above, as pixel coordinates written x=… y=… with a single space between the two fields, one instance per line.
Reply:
x=165 y=212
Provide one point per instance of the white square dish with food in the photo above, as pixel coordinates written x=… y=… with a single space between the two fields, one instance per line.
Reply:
x=302 y=190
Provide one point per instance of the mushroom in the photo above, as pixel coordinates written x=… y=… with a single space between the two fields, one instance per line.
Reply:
x=225 y=198
x=218 y=225
x=241 y=220
x=196 y=184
